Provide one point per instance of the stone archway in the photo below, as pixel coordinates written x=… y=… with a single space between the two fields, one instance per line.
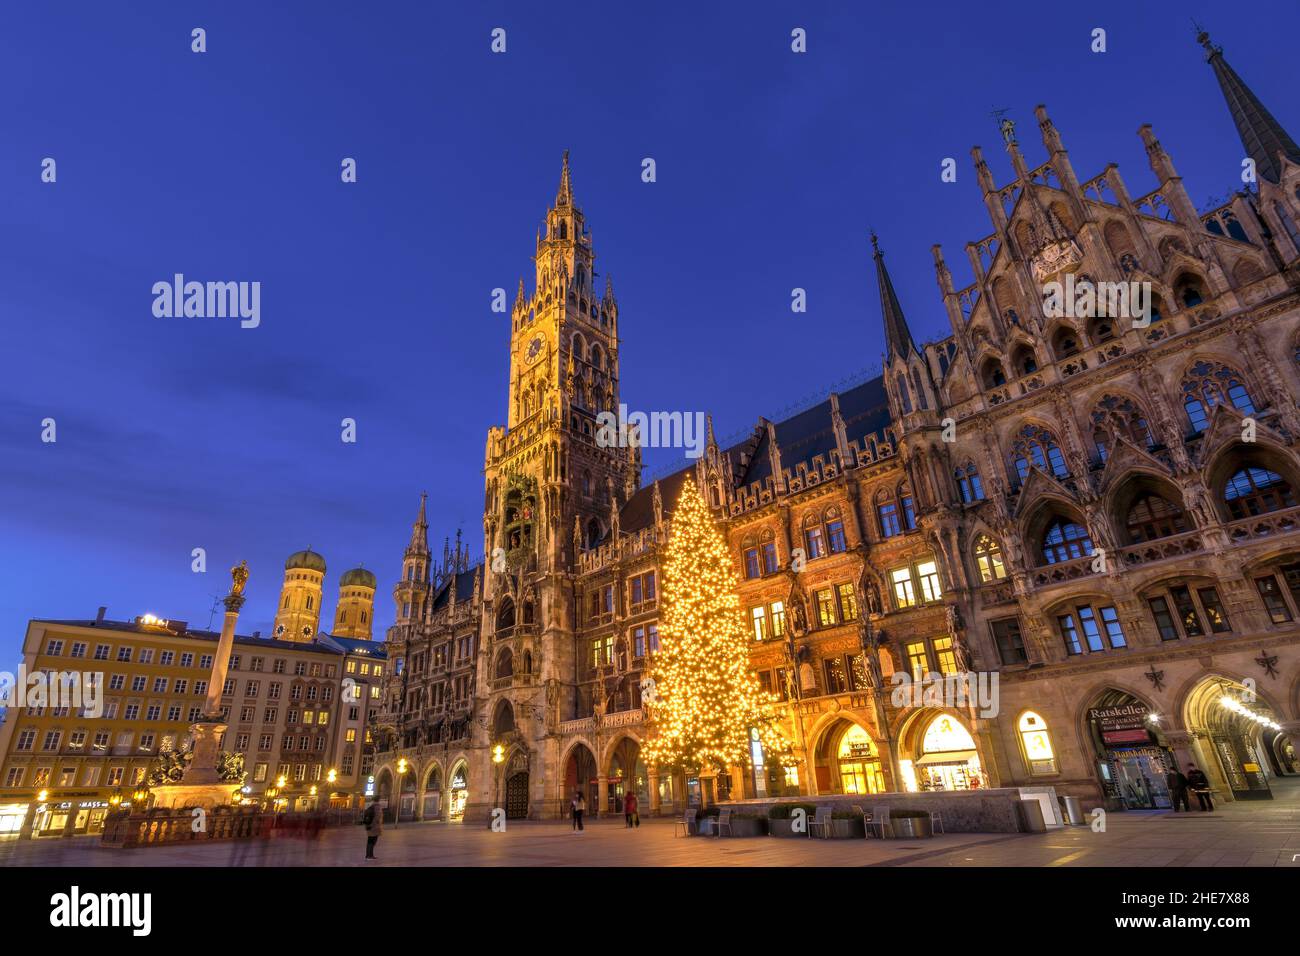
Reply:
x=847 y=760
x=514 y=789
x=432 y=799
x=626 y=772
x=457 y=790
x=580 y=775
x=937 y=751
x=1235 y=733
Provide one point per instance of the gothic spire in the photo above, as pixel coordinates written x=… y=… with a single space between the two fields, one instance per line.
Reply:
x=1261 y=134
x=898 y=338
x=565 y=196
x=420 y=530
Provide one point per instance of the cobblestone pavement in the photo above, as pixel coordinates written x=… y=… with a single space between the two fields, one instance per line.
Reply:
x=1238 y=834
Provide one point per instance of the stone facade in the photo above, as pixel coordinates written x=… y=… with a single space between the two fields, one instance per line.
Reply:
x=1094 y=514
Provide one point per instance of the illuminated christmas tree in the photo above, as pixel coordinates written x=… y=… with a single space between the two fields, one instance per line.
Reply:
x=706 y=700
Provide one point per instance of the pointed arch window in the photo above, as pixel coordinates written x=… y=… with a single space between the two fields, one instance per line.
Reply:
x=920 y=392
x=904 y=400
x=1065 y=540
x=994 y=377
x=1117 y=416
x=1188 y=291
x=1208 y=384
x=1255 y=491
x=988 y=559
x=969 y=486
x=1036 y=446
x=1151 y=517
x=1065 y=343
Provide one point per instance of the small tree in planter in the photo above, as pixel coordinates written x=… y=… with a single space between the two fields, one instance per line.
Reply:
x=781 y=819
x=911 y=824
x=847 y=824
x=748 y=824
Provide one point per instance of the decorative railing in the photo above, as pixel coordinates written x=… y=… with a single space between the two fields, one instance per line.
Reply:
x=125 y=828
x=1063 y=571
x=611 y=721
x=992 y=594
x=1148 y=552
x=628 y=546
x=1264 y=526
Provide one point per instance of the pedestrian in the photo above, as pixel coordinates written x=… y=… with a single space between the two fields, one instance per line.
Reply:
x=576 y=806
x=1199 y=784
x=373 y=818
x=629 y=810
x=1178 y=789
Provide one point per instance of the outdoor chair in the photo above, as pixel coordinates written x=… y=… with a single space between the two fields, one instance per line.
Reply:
x=687 y=823
x=822 y=819
x=724 y=820
x=877 y=823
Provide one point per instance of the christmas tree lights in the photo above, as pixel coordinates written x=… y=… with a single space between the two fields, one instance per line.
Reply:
x=706 y=699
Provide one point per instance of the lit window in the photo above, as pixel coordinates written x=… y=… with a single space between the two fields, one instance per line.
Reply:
x=928 y=574
x=1037 y=744
x=904 y=592
x=988 y=558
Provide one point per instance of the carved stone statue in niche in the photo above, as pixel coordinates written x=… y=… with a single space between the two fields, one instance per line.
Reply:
x=798 y=612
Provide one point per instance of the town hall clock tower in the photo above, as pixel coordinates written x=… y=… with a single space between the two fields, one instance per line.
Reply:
x=553 y=487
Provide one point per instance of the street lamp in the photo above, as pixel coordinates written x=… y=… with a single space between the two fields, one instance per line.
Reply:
x=402 y=767
x=498 y=758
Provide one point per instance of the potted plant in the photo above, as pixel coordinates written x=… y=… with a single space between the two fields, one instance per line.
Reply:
x=911 y=824
x=748 y=824
x=780 y=819
x=706 y=819
x=846 y=823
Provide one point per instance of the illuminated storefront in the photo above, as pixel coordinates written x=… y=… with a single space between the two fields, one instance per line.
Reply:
x=847 y=761
x=859 y=763
x=947 y=760
x=459 y=793
x=1131 y=756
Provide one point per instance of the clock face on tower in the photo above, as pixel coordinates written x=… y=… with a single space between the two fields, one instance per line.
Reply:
x=279 y=630
x=306 y=630
x=536 y=346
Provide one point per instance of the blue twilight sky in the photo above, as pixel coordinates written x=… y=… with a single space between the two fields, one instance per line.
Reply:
x=183 y=433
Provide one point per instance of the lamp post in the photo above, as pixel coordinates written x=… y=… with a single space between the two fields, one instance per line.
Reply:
x=402 y=767
x=498 y=758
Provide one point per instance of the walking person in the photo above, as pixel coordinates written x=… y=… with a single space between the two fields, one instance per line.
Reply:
x=374 y=821
x=630 y=810
x=1199 y=784
x=1178 y=789
x=576 y=807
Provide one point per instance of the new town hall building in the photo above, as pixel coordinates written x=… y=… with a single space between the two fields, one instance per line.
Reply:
x=1103 y=513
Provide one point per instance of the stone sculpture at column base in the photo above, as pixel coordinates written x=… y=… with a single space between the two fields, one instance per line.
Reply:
x=201 y=786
